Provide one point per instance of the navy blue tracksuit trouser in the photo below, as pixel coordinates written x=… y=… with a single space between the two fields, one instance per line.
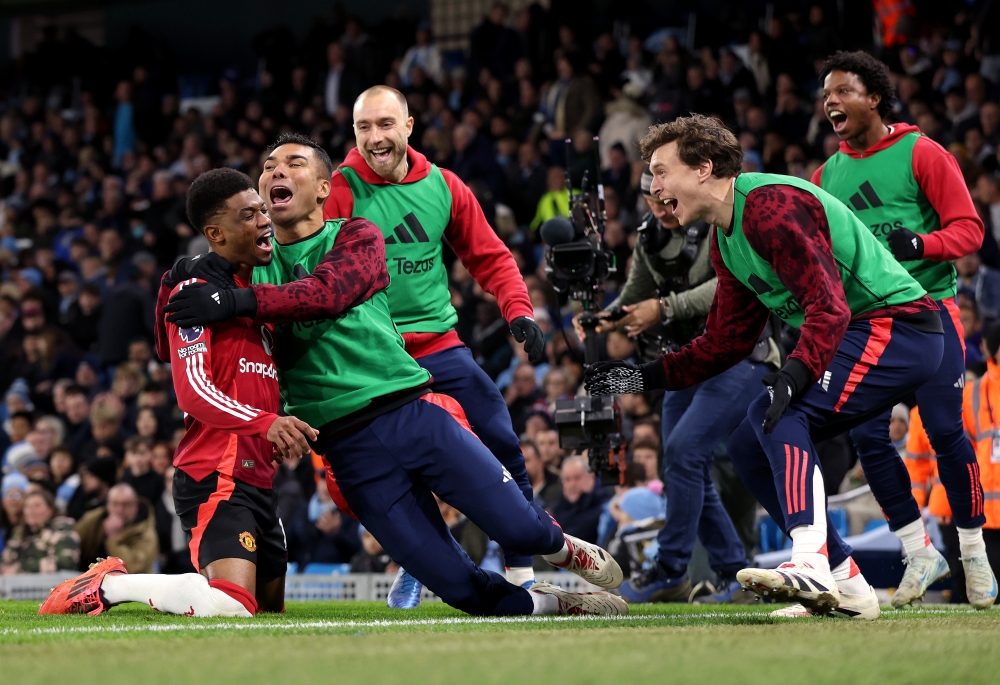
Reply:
x=940 y=405
x=879 y=361
x=388 y=473
x=457 y=375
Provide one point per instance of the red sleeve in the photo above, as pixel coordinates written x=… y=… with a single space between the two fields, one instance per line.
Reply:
x=340 y=204
x=788 y=227
x=941 y=181
x=197 y=394
x=483 y=253
x=350 y=273
x=159 y=323
x=734 y=325
x=817 y=176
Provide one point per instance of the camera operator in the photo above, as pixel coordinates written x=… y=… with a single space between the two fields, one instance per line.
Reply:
x=671 y=286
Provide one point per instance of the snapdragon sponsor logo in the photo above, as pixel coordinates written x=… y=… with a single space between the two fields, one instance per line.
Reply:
x=265 y=370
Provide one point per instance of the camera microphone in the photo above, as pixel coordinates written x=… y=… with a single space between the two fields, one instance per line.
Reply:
x=557 y=231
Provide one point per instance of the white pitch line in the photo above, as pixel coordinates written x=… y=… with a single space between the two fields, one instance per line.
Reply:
x=381 y=623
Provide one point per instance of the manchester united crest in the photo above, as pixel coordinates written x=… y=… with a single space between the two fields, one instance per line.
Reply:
x=249 y=544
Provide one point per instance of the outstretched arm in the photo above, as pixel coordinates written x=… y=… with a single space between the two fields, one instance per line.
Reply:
x=349 y=274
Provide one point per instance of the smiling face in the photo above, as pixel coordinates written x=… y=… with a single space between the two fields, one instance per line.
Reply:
x=241 y=232
x=848 y=105
x=382 y=128
x=678 y=185
x=294 y=182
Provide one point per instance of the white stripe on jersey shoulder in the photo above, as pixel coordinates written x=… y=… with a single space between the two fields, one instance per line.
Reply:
x=196 y=383
x=221 y=396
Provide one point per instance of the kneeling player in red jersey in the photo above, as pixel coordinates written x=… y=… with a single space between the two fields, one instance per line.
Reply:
x=227 y=384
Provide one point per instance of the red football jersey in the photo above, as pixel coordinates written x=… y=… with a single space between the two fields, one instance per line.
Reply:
x=227 y=385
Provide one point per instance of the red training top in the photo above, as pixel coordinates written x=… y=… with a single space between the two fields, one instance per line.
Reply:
x=938 y=176
x=227 y=385
x=468 y=233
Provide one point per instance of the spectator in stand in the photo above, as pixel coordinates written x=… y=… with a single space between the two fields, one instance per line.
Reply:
x=372 y=558
x=13 y=488
x=124 y=528
x=521 y=396
x=646 y=453
x=148 y=484
x=97 y=475
x=321 y=534
x=544 y=481
x=175 y=555
x=981 y=283
x=555 y=201
x=44 y=542
x=106 y=413
x=578 y=509
x=65 y=479
x=424 y=55
x=547 y=443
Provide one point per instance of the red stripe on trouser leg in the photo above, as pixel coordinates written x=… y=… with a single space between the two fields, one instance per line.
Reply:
x=237 y=592
x=823 y=550
x=450 y=405
x=788 y=478
x=854 y=570
x=805 y=469
x=956 y=320
x=336 y=495
x=223 y=491
x=802 y=479
x=877 y=342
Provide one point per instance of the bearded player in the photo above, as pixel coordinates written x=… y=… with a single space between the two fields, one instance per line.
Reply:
x=392 y=444
x=419 y=207
x=909 y=192
x=869 y=335
x=227 y=385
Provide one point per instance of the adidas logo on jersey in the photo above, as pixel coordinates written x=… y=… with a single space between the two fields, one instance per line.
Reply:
x=824 y=382
x=404 y=236
x=866 y=192
x=960 y=383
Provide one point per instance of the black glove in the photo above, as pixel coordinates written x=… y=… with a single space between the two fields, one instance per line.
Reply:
x=208 y=267
x=624 y=378
x=905 y=245
x=784 y=386
x=525 y=330
x=201 y=304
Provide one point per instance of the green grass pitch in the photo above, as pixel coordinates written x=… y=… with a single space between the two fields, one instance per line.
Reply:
x=362 y=642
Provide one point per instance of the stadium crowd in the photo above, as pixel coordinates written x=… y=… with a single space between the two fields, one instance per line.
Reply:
x=92 y=186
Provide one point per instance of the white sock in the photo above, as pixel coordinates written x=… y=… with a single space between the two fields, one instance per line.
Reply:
x=914 y=537
x=545 y=605
x=849 y=578
x=560 y=557
x=970 y=541
x=188 y=594
x=519 y=575
x=809 y=541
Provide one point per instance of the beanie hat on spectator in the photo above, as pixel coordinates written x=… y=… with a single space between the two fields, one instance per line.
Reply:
x=18 y=455
x=901 y=412
x=105 y=468
x=642 y=503
x=545 y=415
x=19 y=388
x=32 y=276
x=13 y=481
x=646 y=181
x=991 y=335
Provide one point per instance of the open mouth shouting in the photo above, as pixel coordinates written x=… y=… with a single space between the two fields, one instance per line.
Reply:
x=838 y=118
x=280 y=196
x=263 y=244
x=381 y=154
